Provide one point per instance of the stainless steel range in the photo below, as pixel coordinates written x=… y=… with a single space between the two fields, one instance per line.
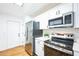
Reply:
x=61 y=42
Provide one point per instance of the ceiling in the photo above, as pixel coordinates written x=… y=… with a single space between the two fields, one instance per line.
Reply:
x=28 y=9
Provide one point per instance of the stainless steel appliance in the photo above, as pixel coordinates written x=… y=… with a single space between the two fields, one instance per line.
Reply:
x=38 y=33
x=64 y=21
x=61 y=42
x=30 y=31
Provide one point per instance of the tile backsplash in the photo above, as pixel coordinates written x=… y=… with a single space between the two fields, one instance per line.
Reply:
x=62 y=30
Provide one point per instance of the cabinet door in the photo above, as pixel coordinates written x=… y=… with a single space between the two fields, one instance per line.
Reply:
x=76 y=15
x=41 y=50
x=39 y=47
x=55 y=12
x=36 y=47
x=76 y=53
x=43 y=19
x=66 y=7
x=60 y=9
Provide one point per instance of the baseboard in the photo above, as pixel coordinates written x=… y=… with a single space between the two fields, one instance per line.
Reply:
x=11 y=48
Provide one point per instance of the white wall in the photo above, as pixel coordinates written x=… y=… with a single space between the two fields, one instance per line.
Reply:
x=4 y=18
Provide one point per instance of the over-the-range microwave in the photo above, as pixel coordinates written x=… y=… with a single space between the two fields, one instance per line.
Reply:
x=67 y=20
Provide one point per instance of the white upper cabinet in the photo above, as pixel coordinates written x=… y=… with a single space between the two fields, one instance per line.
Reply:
x=55 y=12
x=60 y=10
x=76 y=15
x=43 y=19
x=64 y=8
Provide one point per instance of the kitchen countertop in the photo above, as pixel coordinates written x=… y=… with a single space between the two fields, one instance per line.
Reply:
x=42 y=38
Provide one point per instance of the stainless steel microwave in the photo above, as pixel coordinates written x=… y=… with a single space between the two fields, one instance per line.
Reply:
x=64 y=21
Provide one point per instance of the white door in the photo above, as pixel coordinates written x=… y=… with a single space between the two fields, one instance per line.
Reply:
x=13 y=34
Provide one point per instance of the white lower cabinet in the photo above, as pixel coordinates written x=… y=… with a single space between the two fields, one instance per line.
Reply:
x=39 y=46
x=76 y=48
x=76 y=53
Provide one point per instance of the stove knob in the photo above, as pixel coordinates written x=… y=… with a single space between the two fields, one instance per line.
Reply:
x=68 y=35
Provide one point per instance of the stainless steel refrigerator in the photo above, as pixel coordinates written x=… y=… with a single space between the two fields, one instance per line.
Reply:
x=30 y=29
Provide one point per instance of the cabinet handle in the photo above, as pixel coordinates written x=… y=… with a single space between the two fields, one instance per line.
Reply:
x=58 y=12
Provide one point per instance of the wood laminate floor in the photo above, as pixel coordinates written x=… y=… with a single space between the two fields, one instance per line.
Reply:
x=17 y=51
x=28 y=48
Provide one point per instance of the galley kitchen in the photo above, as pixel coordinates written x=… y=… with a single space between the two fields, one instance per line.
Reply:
x=39 y=29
